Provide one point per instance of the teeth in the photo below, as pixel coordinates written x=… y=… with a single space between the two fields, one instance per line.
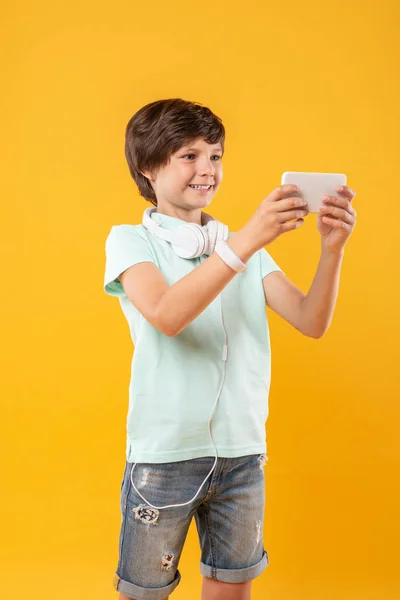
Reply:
x=200 y=187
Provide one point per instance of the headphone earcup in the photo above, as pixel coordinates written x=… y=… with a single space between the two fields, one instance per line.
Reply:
x=217 y=231
x=223 y=232
x=211 y=233
x=189 y=240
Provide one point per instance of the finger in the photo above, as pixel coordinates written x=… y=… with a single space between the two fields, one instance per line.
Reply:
x=336 y=223
x=337 y=212
x=346 y=191
x=289 y=215
x=283 y=190
x=290 y=203
x=338 y=201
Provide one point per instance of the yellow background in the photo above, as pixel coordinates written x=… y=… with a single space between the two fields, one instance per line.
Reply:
x=299 y=86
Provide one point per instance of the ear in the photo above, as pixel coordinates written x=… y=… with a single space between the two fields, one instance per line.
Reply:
x=147 y=174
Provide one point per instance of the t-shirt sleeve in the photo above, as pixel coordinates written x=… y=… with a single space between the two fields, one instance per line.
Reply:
x=268 y=265
x=124 y=248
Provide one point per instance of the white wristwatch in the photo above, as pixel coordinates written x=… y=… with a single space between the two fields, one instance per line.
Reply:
x=229 y=257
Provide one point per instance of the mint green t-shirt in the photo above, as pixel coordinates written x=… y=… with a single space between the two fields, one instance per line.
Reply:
x=175 y=380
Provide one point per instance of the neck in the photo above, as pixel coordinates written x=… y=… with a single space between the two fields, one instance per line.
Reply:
x=193 y=216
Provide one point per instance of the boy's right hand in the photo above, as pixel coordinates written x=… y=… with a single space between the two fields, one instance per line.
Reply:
x=275 y=215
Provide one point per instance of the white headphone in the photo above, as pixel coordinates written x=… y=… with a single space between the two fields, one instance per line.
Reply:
x=189 y=240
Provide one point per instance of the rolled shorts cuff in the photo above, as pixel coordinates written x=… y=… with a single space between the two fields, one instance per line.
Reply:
x=140 y=593
x=235 y=575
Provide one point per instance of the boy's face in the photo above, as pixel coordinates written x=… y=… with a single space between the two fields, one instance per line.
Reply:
x=196 y=163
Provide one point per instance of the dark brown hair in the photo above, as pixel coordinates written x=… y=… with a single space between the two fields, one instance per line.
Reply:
x=159 y=129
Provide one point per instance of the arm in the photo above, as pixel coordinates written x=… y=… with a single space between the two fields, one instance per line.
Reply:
x=310 y=314
x=171 y=308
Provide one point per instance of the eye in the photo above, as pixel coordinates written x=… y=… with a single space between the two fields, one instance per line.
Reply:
x=217 y=156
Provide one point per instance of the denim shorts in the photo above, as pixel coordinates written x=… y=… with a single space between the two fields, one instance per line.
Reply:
x=229 y=515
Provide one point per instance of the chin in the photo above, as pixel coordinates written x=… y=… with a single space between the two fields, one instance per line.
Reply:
x=206 y=200
x=203 y=205
x=200 y=202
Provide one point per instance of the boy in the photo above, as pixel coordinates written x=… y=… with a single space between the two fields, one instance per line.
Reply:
x=195 y=299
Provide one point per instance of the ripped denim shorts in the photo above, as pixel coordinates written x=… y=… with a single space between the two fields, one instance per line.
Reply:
x=229 y=515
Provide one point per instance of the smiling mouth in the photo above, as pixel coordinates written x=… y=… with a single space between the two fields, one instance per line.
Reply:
x=201 y=187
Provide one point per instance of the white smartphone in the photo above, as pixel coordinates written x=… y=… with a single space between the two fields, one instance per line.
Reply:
x=314 y=185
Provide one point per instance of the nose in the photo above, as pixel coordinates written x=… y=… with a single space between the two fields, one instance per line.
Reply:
x=207 y=170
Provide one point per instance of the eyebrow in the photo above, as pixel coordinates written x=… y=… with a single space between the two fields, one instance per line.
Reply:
x=197 y=150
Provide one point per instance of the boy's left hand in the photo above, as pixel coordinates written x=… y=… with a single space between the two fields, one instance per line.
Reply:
x=336 y=219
